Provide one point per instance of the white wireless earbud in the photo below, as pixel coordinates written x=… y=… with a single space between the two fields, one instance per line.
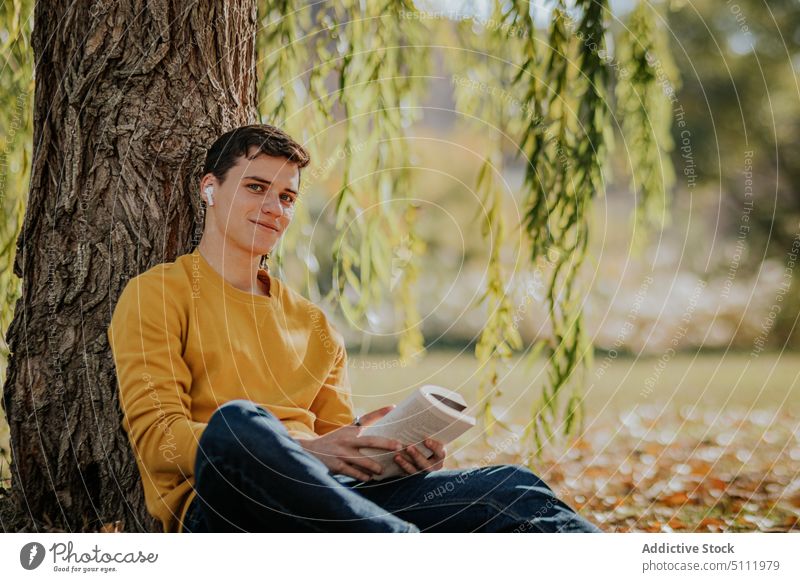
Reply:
x=209 y=190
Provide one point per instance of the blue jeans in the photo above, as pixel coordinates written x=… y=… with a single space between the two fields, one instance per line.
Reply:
x=251 y=475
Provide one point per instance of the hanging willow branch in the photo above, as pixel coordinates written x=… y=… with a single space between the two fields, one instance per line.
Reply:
x=499 y=337
x=647 y=82
x=381 y=78
x=361 y=256
x=16 y=140
x=564 y=129
x=405 y=274
x=562 y=123
x=488 y=63
x=292 y=96
x=565 y=145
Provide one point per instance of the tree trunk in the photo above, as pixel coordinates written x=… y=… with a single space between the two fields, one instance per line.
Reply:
x=128 y=97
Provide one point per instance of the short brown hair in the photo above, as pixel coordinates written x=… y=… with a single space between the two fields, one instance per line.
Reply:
x=270 y=140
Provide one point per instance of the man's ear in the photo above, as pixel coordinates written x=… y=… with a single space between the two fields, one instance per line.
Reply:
x=208 y=189
x=209 y=179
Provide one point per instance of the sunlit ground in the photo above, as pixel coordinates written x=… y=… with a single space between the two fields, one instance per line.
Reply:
x=713 y=445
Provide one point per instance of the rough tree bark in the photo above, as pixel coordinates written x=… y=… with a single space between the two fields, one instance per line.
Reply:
x=128 y=95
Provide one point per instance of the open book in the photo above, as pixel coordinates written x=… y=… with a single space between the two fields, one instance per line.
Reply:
x=430 y=412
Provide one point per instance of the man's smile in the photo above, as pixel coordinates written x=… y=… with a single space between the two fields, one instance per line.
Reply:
x=266 y=226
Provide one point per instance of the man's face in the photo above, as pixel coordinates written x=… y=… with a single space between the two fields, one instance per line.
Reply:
x=255 y=204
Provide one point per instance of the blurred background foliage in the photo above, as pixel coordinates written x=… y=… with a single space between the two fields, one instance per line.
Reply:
x=692 y=114
x=16 y=144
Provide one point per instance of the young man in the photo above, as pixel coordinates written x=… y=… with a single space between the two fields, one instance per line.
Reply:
x=236 y=396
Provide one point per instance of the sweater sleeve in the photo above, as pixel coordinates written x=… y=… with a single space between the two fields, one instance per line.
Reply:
x=333 y=406
x=154 y=380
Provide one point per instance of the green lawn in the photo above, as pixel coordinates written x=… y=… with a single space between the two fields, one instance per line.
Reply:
x=712 y=381
x=713 y=446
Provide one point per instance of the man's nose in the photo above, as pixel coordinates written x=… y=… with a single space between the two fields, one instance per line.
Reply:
x=272 y=205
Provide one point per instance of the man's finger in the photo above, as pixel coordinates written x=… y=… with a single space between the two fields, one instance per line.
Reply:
x=351 y=471
x=439 y=454
x=366 y=463
x=436 y=446
x=405 y=465
x=374 y=416
x=418 y=458
x=377 y=442
x=403 y=455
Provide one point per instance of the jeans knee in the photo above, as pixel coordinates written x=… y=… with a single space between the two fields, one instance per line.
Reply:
x=240 y=410
x=525 y=493
x=515 y=481
x=236 y=407
x=518 y=474
x=235 y=423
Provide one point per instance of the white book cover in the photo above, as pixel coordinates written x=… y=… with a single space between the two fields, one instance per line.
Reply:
x=429 y=412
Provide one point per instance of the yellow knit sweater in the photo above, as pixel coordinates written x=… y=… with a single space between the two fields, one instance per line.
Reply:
x=185 y=341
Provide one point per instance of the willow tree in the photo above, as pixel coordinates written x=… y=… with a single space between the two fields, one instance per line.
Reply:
x=565 y=86
x=126 y=100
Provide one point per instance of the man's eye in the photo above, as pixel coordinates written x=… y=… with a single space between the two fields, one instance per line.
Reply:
x=288 y=198
x=256 y=187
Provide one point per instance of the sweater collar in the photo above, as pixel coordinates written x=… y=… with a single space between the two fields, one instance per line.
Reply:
x=199 y=263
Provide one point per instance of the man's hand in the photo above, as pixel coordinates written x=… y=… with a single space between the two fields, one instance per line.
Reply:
x=412 y=461
x=339 y=448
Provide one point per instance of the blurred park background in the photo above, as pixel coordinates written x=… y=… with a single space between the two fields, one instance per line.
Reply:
x=691 y=406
